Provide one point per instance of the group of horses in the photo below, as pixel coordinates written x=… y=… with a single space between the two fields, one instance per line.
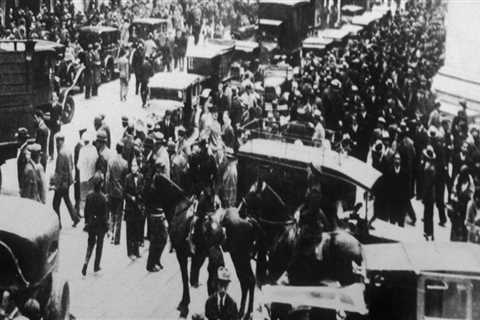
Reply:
x=261 y=228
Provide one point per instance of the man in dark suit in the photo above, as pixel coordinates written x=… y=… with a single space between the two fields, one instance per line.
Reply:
x=397 y=191
x=429 y=193
x=96 y=222
x=144 y=74
x=88 y=71
x=76 y=184
x=23 y=141
x=42 y=137
x=167 y=127
x=134 y=210
x=62 y=180
x=220 y=306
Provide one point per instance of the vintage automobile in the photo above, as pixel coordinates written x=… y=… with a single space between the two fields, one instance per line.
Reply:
x=211 y=59
x=317 y=45
x=350 y=10
x=144 y=26
x=27 y=84
x=285 y=22
x=275 y=79
x=29 y=257
x=108 y=37
x=175 y=91
x=246 y=32
x=423 y=280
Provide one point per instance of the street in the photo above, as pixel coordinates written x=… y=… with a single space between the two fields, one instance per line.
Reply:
x=124 y=289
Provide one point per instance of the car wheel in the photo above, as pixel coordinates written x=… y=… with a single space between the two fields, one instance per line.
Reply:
x=68 y=110
x=59 y=303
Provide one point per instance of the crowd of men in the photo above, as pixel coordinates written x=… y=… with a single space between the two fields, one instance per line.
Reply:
x=371 y=99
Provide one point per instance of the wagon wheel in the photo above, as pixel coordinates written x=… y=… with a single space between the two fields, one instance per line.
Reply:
x=68 y=110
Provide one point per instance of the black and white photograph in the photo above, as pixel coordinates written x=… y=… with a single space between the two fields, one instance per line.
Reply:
x=240 y=159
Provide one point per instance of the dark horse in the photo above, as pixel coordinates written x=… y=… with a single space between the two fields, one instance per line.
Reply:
x=178 y=208
x=263 y=227
x=260 y=226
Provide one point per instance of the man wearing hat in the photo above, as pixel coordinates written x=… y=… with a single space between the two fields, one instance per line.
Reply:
x=117 y=171
x=103 y=152
x=23 y=141
x=96 y=222
x=203 y=169
x=227 y=178
x=42 y=137
x=76 y=184
x=63 y=179
x=166 y=126
x=88 y=72
x=87 y=159
x=99 y=124
x=428 y=192
x=145 y=72
x=124 y=122
x=220 y=306
x=434 y=117
x=441 y=173
x=160 y=152
x=34 y=184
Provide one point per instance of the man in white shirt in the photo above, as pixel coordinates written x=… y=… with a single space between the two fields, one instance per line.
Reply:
x=87 y=158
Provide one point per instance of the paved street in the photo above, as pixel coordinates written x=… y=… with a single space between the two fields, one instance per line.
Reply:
x=123 y=289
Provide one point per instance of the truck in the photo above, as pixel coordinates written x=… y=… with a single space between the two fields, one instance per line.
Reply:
x=27 y=84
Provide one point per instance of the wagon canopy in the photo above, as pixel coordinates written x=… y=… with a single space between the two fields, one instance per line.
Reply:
x=330 y=163
x=447 y=257
x=349 y=298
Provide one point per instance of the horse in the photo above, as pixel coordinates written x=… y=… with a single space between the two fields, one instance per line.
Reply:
x=259 y=226
x=178 y=210
x=262 y=226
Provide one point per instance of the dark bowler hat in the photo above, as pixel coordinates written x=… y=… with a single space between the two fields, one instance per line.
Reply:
x=22 y=134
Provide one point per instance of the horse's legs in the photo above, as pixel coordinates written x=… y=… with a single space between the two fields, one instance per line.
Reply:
x=182 y=258
x=261 y=270
x=250 y=281
x=197 y=261
x=239 y=268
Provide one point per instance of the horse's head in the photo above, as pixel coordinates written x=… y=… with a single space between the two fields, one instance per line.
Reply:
x=262 y=201
x=207 y=201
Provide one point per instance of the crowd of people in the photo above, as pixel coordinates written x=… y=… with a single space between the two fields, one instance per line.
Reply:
x=371 y=99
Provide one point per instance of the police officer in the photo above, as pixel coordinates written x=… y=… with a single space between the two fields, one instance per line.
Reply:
x=23 y=141
x=157 y=224
x=34 y=184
